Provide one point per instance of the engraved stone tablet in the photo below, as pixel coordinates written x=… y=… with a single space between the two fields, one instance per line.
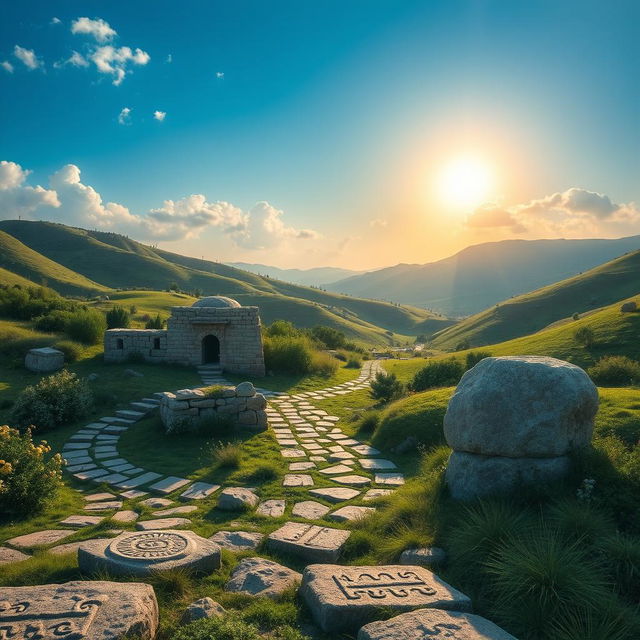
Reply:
x=343 y=598
x=144 y=552
x=433 y=623
x=312 y=542
x=79 y=611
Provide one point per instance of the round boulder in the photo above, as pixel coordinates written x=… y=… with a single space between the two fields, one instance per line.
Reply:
x=522 y=406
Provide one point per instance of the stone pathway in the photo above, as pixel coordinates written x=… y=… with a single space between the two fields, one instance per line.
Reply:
x=309 y=438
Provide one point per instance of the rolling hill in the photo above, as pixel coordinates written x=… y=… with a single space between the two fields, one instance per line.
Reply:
x=86 y=262
x=482 y=275
x=310 y=277
x=529 y=313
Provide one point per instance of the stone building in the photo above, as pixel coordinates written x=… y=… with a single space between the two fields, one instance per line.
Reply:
x=214 y=330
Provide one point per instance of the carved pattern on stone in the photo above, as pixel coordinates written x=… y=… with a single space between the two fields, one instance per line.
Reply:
x=151 y=546
x=18 y=623
x=400 y=584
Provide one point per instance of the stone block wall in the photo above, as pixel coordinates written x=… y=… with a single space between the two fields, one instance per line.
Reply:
x=120 y=344
x=188 y=409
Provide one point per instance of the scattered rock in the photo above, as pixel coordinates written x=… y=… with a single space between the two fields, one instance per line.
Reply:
x=125 y=516
x=629 y=307
x=142 y=553
x=260 y=577
x=237 y=540
x=8 y=556
x=425 y=557
x=271 y=508
x=237 y=499
x=245 y=389
x=344 y=598
x=310 y=541
x=203 y=608
x=310 y=510
x=155 y=503
x=424 y=623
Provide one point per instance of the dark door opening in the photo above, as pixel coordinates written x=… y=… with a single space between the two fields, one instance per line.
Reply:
x=210 y=349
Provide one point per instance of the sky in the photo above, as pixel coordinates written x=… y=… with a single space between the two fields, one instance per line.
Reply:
x=352 y=133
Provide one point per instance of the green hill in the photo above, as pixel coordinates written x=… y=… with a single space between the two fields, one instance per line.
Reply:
x=526 y=314
x=117 y=262
x=24 y=263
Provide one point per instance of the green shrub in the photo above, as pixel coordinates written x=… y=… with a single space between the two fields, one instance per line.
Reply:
x=386 y=387
x=323 y=364
x=55 y=400
x=154 y=323
x=282 y=328
x=72 y=350
x=331 y=338
x=55 y=321
x=118 y=318
x=30 y=302
x=354 y=362
x=87 y=326
x=29 y=477
x=288 y=354
x=473 y=357
x=615 y=371
x=437 y=373
x=369 y=422
x=585 y=337
x=227 y=628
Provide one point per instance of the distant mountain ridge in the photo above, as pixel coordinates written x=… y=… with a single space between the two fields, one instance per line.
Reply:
x=315 y=277
x=483 y=275
x=86 y=263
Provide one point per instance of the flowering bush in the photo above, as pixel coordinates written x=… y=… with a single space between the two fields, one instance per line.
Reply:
x=55 y=400
x=28 y=476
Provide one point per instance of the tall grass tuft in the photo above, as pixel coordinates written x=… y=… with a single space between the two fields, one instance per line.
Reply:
x=226 y=454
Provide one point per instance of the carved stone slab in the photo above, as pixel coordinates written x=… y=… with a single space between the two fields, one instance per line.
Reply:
x=141 y=553
x=344 y=598
x=433 y=623
x=79 y=611
x=312 y=542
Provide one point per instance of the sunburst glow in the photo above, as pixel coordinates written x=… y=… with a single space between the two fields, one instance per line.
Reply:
x=466 y=182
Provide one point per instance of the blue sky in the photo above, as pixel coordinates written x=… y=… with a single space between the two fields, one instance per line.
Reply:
x=336 y=117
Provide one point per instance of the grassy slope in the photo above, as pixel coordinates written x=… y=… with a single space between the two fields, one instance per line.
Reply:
x=533 y=311
x=17 y=258
x=10 y=279
x=94 y=254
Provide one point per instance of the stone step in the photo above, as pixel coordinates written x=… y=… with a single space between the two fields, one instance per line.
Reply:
x=128 y=414
x=116 y=420
x=144 y=407
x=153 y=401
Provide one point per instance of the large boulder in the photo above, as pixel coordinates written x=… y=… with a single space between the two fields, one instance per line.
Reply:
x=82 y=609
x=522 y=406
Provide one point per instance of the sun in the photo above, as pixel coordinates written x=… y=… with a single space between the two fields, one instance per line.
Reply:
x=466 y=182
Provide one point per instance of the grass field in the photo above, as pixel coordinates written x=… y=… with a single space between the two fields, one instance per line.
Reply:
x=523 y=315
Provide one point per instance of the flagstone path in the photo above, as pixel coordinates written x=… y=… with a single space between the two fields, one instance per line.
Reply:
x=309 y=439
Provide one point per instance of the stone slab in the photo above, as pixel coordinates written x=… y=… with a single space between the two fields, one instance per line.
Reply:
x=142 y=553
x=96 y=497
x=7 y=556
x=297 y=480
x=261 y=577
x=145 y=478
x=352 y=480
x=310 y=541
x=271 y=508
x=237 y=499
x=38 y=538
x=80 y=522
x=132 y=494
x=84 y=610
x=335 y=494
x=336 y=469
x=237 y=540
x=169 y=484
x=199 y=491
x=103 y=506
x=376 y=464
x=125 y=516
x=344 y=598
x=392 y=479
x=156 y=503
x=187 y=508
x=350 y=512
x=162 y=523
x=310 y=510
x=434 y=623
x=301 y=466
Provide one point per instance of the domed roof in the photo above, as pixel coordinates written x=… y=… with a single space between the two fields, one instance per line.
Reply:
x=217 y=302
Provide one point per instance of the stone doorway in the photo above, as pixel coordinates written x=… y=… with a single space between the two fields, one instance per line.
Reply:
x=210 y=350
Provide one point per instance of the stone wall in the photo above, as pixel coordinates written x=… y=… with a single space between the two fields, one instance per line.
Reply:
x=188 y=409
x=120 y=344
x=237 y=329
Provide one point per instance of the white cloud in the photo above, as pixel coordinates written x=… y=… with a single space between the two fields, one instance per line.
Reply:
x=98 y=28
x=160 y=115
x=27 y=57
x=71 y=202
x=572 y=213
x=378 y=223
x=18 y=199
x=219 y=74
x=7 y=66
x=124 y=117
x=114 y=60
x=169 y=59
x=75 y=60
x=265 y=228
x=55 y=20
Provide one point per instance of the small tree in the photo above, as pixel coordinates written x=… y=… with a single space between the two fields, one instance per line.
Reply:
x=133 y=309
x=585 y=337
x=155 y=323
x=118 y=318
x=386 y=387
x=174 y=287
